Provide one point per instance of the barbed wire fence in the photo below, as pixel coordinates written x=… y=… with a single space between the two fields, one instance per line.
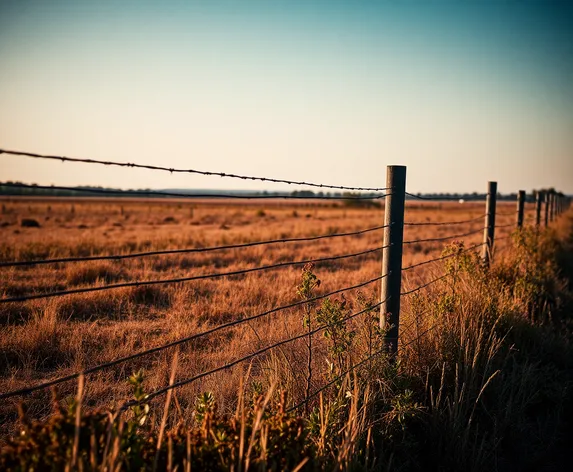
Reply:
x=548 y=207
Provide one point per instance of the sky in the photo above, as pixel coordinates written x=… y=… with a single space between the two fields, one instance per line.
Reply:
x=459 y=91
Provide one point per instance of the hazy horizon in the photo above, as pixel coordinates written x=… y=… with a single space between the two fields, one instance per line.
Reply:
x=328 y=92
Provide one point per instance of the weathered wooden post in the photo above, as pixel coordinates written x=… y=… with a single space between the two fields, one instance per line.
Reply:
x=546 y=209
x=392 y=255
x=489 y=229
x=538 y=203
x=520 y=208
x=551 y=206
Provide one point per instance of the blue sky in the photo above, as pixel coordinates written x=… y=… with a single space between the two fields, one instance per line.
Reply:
x=460 y=91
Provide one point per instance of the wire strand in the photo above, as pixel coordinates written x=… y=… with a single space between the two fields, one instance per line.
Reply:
x=404 y=269
x=151 y=193
x=184 y=251
x=420 y=287
x=185 y=279
x=444 y=223
x=173 y=170
x=27 y=390
x=444 y=238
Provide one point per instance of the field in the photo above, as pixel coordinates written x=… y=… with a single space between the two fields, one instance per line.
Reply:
x=46 y=338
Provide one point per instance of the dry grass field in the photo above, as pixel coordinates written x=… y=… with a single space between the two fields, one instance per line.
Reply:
x=46 y=338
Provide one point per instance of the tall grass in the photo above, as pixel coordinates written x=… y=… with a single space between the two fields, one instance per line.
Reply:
x=482 y=382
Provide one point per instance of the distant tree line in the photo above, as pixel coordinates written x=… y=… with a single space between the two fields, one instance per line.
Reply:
x=349 y=198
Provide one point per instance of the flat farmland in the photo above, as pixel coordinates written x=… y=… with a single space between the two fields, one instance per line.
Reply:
x=46 y=338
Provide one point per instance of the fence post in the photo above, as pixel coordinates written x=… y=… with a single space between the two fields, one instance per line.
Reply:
x=538 y=202
x=551 y=206
x=489 y=229
x=394 y=204
x=520 y=207
x=546 y=209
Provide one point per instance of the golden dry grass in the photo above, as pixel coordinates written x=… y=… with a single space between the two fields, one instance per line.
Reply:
x=44 y=339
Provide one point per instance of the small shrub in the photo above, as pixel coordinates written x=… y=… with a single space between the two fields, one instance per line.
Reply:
x=29 y=223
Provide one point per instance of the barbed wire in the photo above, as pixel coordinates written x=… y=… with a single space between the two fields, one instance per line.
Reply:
x=444 y=223
x=404 y=269
x=443 y=238
x=151 y=193
x=185 y=250
x=505 y=226
x=105 y=365
x=257 y=353
x=173 y=170
x=185 y=279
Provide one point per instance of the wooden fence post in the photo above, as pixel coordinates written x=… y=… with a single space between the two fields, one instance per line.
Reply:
x=489 y=229
x=551 y=206
x=538 y=203
x=392 y=255
x=546 y=209
x=520 y=208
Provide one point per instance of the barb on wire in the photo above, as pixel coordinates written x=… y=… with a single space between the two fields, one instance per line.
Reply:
x=151 y=193
x=444 y=223
x=185 y=251
x=404 y=269
x=443 y=238
x=184 y=279
x=228 y=365
x=173 y=170
x=44 y=385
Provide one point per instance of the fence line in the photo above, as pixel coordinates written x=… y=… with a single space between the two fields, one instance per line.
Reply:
x=185 y=251
x=554 y=204
x=186 y=279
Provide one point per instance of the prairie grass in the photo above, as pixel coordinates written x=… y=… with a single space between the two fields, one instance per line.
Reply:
x=461 y=396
